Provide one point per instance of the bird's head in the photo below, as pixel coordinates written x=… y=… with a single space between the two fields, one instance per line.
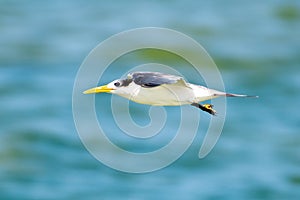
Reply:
x=122 y=87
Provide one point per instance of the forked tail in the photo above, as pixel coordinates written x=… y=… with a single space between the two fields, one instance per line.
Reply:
x=217 y=93
x=239 y=95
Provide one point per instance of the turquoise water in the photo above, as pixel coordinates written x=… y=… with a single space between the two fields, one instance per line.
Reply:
x=256 y=47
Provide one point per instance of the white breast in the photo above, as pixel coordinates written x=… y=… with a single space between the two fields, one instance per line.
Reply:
x=164 y=95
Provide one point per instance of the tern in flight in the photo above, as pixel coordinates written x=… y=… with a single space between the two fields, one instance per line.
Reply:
x=158 y=89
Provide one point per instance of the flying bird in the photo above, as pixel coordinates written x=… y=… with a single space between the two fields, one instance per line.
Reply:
x=158 y=89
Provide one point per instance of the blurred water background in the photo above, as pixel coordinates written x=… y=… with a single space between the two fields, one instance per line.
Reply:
x=256 y=46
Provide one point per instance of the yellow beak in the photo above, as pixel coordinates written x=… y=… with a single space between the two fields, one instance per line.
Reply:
x=99 y=89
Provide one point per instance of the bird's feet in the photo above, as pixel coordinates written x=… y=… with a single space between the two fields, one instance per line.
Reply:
x=209 y=109
x=205 y=107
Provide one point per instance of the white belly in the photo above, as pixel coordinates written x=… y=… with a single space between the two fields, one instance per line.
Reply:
x=165 y=95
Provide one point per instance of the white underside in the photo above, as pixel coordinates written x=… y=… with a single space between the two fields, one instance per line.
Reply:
x=167 y=94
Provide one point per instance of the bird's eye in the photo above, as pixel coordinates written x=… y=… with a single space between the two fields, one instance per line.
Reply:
x=117 y=84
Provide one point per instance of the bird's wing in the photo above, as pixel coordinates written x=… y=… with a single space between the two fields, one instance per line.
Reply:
x=154 y=79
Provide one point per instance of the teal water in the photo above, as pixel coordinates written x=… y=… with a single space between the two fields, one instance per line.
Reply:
x=256 y=46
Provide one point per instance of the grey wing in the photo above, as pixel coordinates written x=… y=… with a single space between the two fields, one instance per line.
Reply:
x=154 y=79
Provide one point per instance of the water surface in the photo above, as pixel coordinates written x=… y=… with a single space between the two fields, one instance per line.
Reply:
x=255 y=46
